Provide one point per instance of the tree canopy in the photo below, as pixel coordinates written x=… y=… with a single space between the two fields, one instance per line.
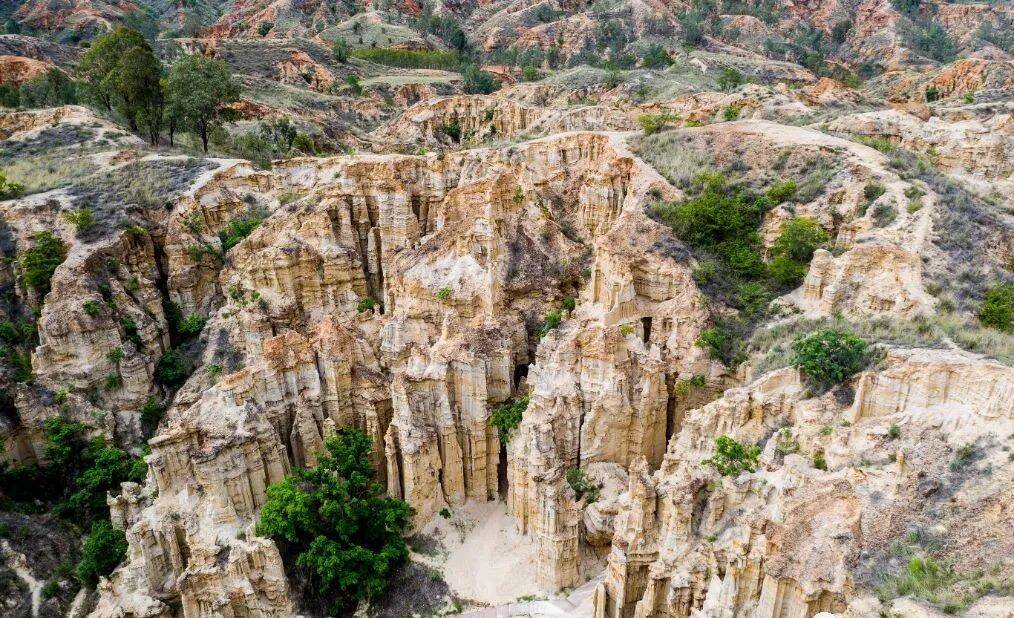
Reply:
x=345 y=534
x=198 y=88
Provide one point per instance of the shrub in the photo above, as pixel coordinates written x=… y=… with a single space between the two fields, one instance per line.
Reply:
x=656 y=58
x=92 y=307
x=9 y=190
x=731 y=458
x=352 y=81
x=873 y=190
x=452 y=130
x=151 y=415
x=340 y=50
x=238 y=229
x=192 y=325
x=884 y=215
x=103 y=550
x=653 y=123
x=782 y=191
x=551 y=321
x=881 y=144
x=731 y=112
x=794 y=247
x=508 y=416
x=171 y=369
x=829 y=357
x=39 y=262
x=444 y=293
x=819 y=461
x=569 y=303
x=530 y=74
x=717 y=341
x=366 y=304
x=345 y=533
x=998 y=308
x=894 y=432
x=582 y=485
x=476 y=81
x=730 y=79
x=115 y=355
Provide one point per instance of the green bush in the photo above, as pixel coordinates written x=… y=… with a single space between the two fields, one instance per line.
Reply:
x=653 y=123
x=794 y=248
x=151 y=416
x=476 y=81
x=530 y=74
x=10 y=190
x=508 y=416
x=551 y=321
x=570 y=303
x=829 y=357
x=731 y=458
x=103 y=550
x=656 y=58
x=366 y=304
x=192 y=325
x=39 y=262
x=340 y=50
x=345 y=533
x=582 y=485
x=81 y=219
x=998 y=308
x=782 y=191
x=730 y=79
x=171 y=369
x=873 y=190
x=238 y=229
x=731 y=112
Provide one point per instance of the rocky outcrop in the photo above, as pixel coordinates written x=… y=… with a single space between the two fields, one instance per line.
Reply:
x=788 y=538
x=16 y=70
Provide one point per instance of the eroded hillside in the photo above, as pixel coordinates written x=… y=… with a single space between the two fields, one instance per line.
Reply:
x=677 y=343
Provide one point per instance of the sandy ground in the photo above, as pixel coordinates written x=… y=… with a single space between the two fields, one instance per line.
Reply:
x=483 y=558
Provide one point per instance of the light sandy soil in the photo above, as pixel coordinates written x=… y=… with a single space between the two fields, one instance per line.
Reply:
x=484 y=558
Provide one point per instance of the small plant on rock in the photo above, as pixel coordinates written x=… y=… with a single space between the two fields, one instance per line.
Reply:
x=731 y=457
x=508 y=416
x=582 y=485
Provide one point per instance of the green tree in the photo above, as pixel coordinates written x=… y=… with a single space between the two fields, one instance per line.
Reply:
x=998 y=308
x=51 y=89
x=121 y=72
x=530 y=74
x=103 y=550
x=198 y=89
x=345 y=534
x=828 y=357
x=476 y=81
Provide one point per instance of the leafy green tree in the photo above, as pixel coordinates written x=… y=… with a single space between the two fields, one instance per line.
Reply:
x=530 y=74
x=40 y=261
x=121 y=72
x=103 y=550
x=345 y=534
x=829 y=357
x=998 y=308
x=198 y=89
x=476 y=81
x=51 y=89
